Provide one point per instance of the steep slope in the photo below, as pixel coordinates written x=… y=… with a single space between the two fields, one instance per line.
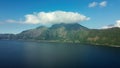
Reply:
x=32 y=33
x=65 y=32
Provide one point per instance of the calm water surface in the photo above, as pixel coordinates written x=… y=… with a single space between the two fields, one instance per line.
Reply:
x=24 y=54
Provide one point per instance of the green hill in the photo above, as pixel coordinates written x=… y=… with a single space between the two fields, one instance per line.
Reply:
x=72 y=33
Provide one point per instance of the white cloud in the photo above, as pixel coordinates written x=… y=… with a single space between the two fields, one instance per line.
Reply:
x=93 y=4
x=54 y=17
x=11 y=21
x=20 y=21
x=103 y=4
x=117 y=24
x=108 y=26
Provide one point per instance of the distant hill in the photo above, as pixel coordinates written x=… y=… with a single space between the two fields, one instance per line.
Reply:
x=109 y=36
x=72 y=33
x=7 y=36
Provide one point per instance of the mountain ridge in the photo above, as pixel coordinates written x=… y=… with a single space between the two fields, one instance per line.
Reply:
x=73 y=33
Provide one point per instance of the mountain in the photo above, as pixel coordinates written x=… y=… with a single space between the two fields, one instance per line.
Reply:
x=55 y=32
x=74 y=26
x=7 y=36
x=32 y=33
x=72 y=33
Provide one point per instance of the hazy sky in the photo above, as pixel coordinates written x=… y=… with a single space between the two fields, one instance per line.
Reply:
x=19 y=15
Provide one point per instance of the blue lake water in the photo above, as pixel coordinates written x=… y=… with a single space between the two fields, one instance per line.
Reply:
x=24 y=54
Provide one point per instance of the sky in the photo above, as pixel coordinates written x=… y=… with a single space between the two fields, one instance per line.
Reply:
x=19 y=15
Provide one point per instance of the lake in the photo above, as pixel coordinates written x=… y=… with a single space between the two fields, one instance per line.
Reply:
x=25 y=54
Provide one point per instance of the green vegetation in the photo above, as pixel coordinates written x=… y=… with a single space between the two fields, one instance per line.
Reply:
x=105 y=36
x=72 y=33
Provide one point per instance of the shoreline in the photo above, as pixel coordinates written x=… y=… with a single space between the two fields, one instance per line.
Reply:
x=58 y=41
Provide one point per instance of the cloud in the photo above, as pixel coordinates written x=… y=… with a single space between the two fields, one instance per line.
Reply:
x=7 y=21
x=54 y=17
x=11 y=21
x=103 y=4
x=117 y=24
x=93 y=4
x=108 y=26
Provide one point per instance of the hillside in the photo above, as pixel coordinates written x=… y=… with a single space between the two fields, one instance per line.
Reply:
x=73 y=33
x=109 y=36
x=62 y=32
